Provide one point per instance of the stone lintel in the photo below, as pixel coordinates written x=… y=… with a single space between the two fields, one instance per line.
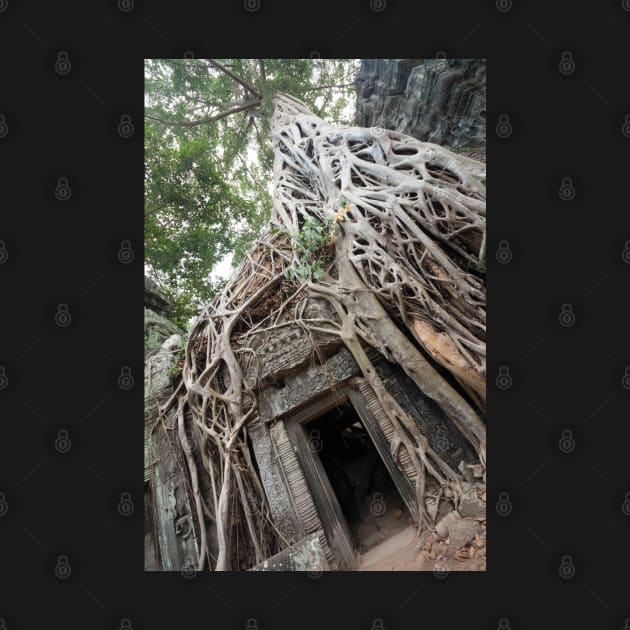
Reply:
x=307 y=384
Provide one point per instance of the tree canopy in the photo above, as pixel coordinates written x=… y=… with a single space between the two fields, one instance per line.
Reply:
x=208 y=160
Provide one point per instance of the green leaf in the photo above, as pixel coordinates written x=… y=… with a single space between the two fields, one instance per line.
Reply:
x=206 y=186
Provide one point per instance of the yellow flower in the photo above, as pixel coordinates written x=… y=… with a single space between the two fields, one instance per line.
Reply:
x=338 y=216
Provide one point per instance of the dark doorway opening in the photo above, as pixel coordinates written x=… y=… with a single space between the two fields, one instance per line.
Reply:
x=367 y=496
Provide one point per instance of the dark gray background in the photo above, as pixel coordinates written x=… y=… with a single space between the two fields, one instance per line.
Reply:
x=567 y=504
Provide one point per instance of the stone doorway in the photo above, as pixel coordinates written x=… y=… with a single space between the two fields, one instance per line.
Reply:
x=360 y=494
x=299 y=484
x=366 y=493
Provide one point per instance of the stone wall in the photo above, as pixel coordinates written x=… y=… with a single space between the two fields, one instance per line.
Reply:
x=171 y=534
x=441 y=433
x=434 y=100
x=162 y=339
x=154 y=299
x=297 y=382
x=287 y=348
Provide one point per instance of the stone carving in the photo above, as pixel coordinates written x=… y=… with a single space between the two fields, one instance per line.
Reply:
x=156 y=329
x=273 y=478
x=154 y=299
x=308 y=384
x=285 y=349
x=306 y=555
x=171 y=533
x=440 y=432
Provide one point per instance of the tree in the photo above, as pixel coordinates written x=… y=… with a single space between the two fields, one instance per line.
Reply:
x=401 y=227
x=208 y=160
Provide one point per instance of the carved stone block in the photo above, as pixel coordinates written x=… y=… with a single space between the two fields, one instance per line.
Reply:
x=306 y=555
x=307 y=384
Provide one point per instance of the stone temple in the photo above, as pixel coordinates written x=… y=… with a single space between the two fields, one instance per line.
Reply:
x=320 y=441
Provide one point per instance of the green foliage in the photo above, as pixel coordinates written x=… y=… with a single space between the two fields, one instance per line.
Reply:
x=208 y=183
x=314 y=246
x=176 y=370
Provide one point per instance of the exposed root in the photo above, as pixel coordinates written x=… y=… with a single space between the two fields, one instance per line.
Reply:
x=409 y=232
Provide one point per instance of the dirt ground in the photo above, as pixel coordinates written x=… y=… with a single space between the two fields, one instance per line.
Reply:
x=456 y=543
x=375 y=528
x=405 y=552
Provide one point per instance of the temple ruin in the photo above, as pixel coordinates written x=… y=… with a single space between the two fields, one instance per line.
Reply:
x=312 y=416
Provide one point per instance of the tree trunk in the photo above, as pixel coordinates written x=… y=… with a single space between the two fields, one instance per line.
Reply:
x=391 y=231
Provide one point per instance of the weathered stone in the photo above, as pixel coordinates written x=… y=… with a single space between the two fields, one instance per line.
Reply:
x=154 y=298
x=459 y=530
x=156 y=329
x=434 y=100
x=306 y=555
x=442 y=528
x=172 y=530
x=435 y=425
x=308 y=384
x=158 y=366
x=462 y=531
x=286 y=349
x=471 y=505
x=158 y=382
x=271 y=476
x=162 y=339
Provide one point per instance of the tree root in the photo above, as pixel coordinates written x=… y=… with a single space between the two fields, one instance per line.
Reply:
x=409 y=230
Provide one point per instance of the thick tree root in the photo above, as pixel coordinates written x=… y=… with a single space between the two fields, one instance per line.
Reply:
x=408 y=224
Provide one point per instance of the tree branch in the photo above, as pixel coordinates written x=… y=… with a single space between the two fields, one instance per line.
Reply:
x=328 y=87
x=238 y=79
x=208 y=119
x=148 y=213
